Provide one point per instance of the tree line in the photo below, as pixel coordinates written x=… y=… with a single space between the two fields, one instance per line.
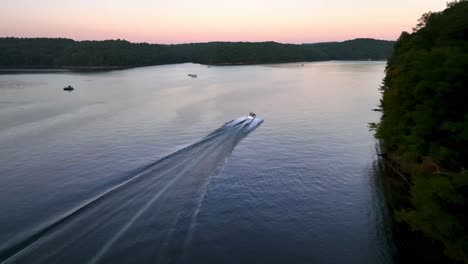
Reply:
x=59 y=52
x=424 y=127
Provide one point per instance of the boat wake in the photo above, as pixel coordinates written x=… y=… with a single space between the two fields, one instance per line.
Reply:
x=147 y=218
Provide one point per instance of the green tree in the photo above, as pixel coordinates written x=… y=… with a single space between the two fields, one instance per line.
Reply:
x=424 y=126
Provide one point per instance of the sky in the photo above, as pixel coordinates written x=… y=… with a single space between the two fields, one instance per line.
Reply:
x=184 y=21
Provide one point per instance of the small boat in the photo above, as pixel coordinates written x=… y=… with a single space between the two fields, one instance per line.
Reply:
x=192 y=75
x=68 y=88
x=252 y=115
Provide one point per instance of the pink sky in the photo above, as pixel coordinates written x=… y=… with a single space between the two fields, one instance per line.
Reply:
x=156 y=21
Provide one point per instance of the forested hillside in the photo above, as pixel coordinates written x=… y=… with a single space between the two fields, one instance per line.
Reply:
x=424 y=127
x=357 y=49
x=44 y=52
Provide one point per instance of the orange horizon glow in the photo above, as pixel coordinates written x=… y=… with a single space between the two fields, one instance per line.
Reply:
x=295 y=21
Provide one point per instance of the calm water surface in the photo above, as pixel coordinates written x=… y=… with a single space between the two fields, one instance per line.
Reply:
x=144 y=166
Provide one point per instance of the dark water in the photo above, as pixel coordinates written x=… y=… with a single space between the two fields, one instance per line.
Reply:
x=145 y=166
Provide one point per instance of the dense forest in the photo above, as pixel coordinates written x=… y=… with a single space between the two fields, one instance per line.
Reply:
x=48 y=52
x=424 y=126
x=357 y=49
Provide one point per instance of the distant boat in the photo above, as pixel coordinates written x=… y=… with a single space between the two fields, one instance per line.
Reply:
x=68 y=88
x=192 y=75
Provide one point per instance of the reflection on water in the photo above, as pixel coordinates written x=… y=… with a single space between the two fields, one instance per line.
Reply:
x=298 y=189
x=109 y=221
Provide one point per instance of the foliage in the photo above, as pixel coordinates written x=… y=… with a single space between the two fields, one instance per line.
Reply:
x=44 y=52
x=358 y=49
x=425 y=123
x=34 y=51
x=440 y=205
x=112 y=53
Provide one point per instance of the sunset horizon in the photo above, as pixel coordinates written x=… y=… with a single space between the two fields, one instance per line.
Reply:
x=200 y=42
x=294 y=22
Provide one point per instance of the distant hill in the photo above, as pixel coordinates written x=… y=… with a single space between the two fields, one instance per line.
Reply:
x=60 y=52
x=357 y=49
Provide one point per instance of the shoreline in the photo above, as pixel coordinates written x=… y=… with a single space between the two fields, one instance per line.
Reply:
x=410 y=245
x=43 y=67
x=20 y=68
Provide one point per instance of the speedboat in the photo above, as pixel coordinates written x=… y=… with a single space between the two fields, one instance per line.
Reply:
x=192 y=75
x=252 y=115
x=69 y=88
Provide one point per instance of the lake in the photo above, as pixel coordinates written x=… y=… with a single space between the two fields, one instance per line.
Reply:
x=150 y=165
